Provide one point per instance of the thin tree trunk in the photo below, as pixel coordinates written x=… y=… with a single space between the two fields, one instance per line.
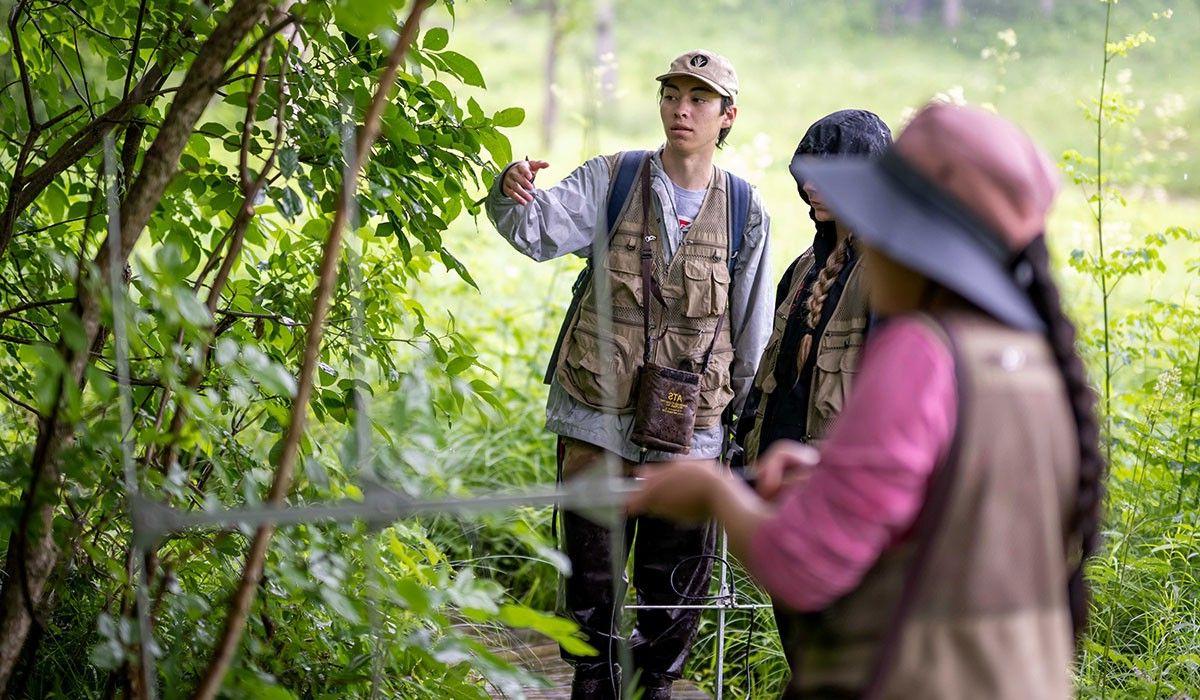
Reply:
x=887 y=16
x=951 y=13
x=550 y=108
x=32 y=550
x=243 y=597
x=913 y=11
x=606 y=49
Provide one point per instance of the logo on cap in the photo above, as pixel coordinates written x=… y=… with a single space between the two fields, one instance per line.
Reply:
x=699 y=61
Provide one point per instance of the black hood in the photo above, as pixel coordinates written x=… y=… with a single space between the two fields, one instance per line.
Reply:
x=847 y=132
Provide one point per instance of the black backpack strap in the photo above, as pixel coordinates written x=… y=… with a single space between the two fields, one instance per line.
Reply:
x=620 y=184
x=628 y=164
x=739 y=199
x=739 y=215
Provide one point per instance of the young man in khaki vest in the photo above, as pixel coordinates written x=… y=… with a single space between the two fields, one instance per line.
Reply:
x=710 y=314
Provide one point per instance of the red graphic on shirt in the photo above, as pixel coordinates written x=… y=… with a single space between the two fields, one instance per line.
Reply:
x=684 y=225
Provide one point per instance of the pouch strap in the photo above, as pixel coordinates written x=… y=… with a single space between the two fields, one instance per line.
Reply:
x=650 y=288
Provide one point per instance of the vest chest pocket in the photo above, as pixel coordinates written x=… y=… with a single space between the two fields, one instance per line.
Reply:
x=705 y=287
x=625 y=272
x=836 y=366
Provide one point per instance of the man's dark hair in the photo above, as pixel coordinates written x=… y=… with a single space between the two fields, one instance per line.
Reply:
x=726 y=103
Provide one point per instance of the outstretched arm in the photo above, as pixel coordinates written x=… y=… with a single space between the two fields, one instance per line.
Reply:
x=548 y=223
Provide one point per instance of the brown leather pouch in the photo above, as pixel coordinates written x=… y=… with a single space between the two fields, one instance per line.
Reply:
x=666 y=409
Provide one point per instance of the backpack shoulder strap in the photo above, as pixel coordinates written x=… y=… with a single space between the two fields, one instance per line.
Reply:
x=621 y=182
x=739 y=214
x=623 y=176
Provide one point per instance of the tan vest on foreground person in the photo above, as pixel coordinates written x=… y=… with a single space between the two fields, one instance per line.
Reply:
x=696 y=287
x=837 y=352
x=974 y=604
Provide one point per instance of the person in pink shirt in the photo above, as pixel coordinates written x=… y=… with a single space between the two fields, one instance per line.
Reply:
x=934 y=547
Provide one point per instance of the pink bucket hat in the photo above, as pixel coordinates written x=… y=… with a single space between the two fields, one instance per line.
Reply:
x=956 y=198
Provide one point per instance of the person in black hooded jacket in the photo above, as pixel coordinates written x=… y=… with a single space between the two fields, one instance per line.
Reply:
x=821 y=316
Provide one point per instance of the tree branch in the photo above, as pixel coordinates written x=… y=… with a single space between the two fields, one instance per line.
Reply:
x=22 y=70
x=20 y=403
x=243 y=597
x=34 y=305
x=32 y=550
x=236 y=234
x=24 y=189
x=133 y=50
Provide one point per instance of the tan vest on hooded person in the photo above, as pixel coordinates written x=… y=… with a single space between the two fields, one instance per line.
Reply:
x=837 y=355
x=984 y=614
x=695 y=285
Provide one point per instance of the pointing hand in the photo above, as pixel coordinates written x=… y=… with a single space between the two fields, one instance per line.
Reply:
x=518 y=181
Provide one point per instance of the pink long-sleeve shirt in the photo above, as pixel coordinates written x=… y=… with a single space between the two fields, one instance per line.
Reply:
x=870 y=484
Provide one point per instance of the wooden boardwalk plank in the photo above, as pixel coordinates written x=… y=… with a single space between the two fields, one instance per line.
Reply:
x=538 y=654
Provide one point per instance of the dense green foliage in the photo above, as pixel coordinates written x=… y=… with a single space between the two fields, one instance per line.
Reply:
x=337 y=602
x=436 y=339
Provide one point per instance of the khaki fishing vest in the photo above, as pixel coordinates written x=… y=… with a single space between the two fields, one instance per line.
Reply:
x=696 y=287
x=837 y=355
x=974 y=605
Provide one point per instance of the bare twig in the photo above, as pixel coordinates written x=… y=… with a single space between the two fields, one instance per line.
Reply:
x=14 y=32
x=85 y=99
x=133 y=49
x=34 y=305
x=20 y=403
x=243 y=597
x=256 y=47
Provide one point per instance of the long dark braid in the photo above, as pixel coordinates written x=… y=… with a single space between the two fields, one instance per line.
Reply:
x=1084 y=524
x=814 y=305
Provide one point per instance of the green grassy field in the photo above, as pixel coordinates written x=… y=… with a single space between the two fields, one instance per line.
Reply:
x=793 y=71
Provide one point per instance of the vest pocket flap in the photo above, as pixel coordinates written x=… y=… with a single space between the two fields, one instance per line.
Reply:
x=591 y=352
x=697 y=270
x=624 y=262
x=853 y=326
x=706 y=284
x=625 y=274
x=830 y=359
x=840 y=353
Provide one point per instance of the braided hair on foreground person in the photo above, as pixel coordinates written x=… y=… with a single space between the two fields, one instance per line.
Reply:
x=934 y=547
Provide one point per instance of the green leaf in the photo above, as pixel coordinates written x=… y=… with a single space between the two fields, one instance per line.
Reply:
x=289 y=160
x=459 y=364
x=498 y=145
x=54 y=198
x=363 y=18
x=436 y=39
x=72 y=331
x=464 y=68
x=513 y=116
x=562 y=631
